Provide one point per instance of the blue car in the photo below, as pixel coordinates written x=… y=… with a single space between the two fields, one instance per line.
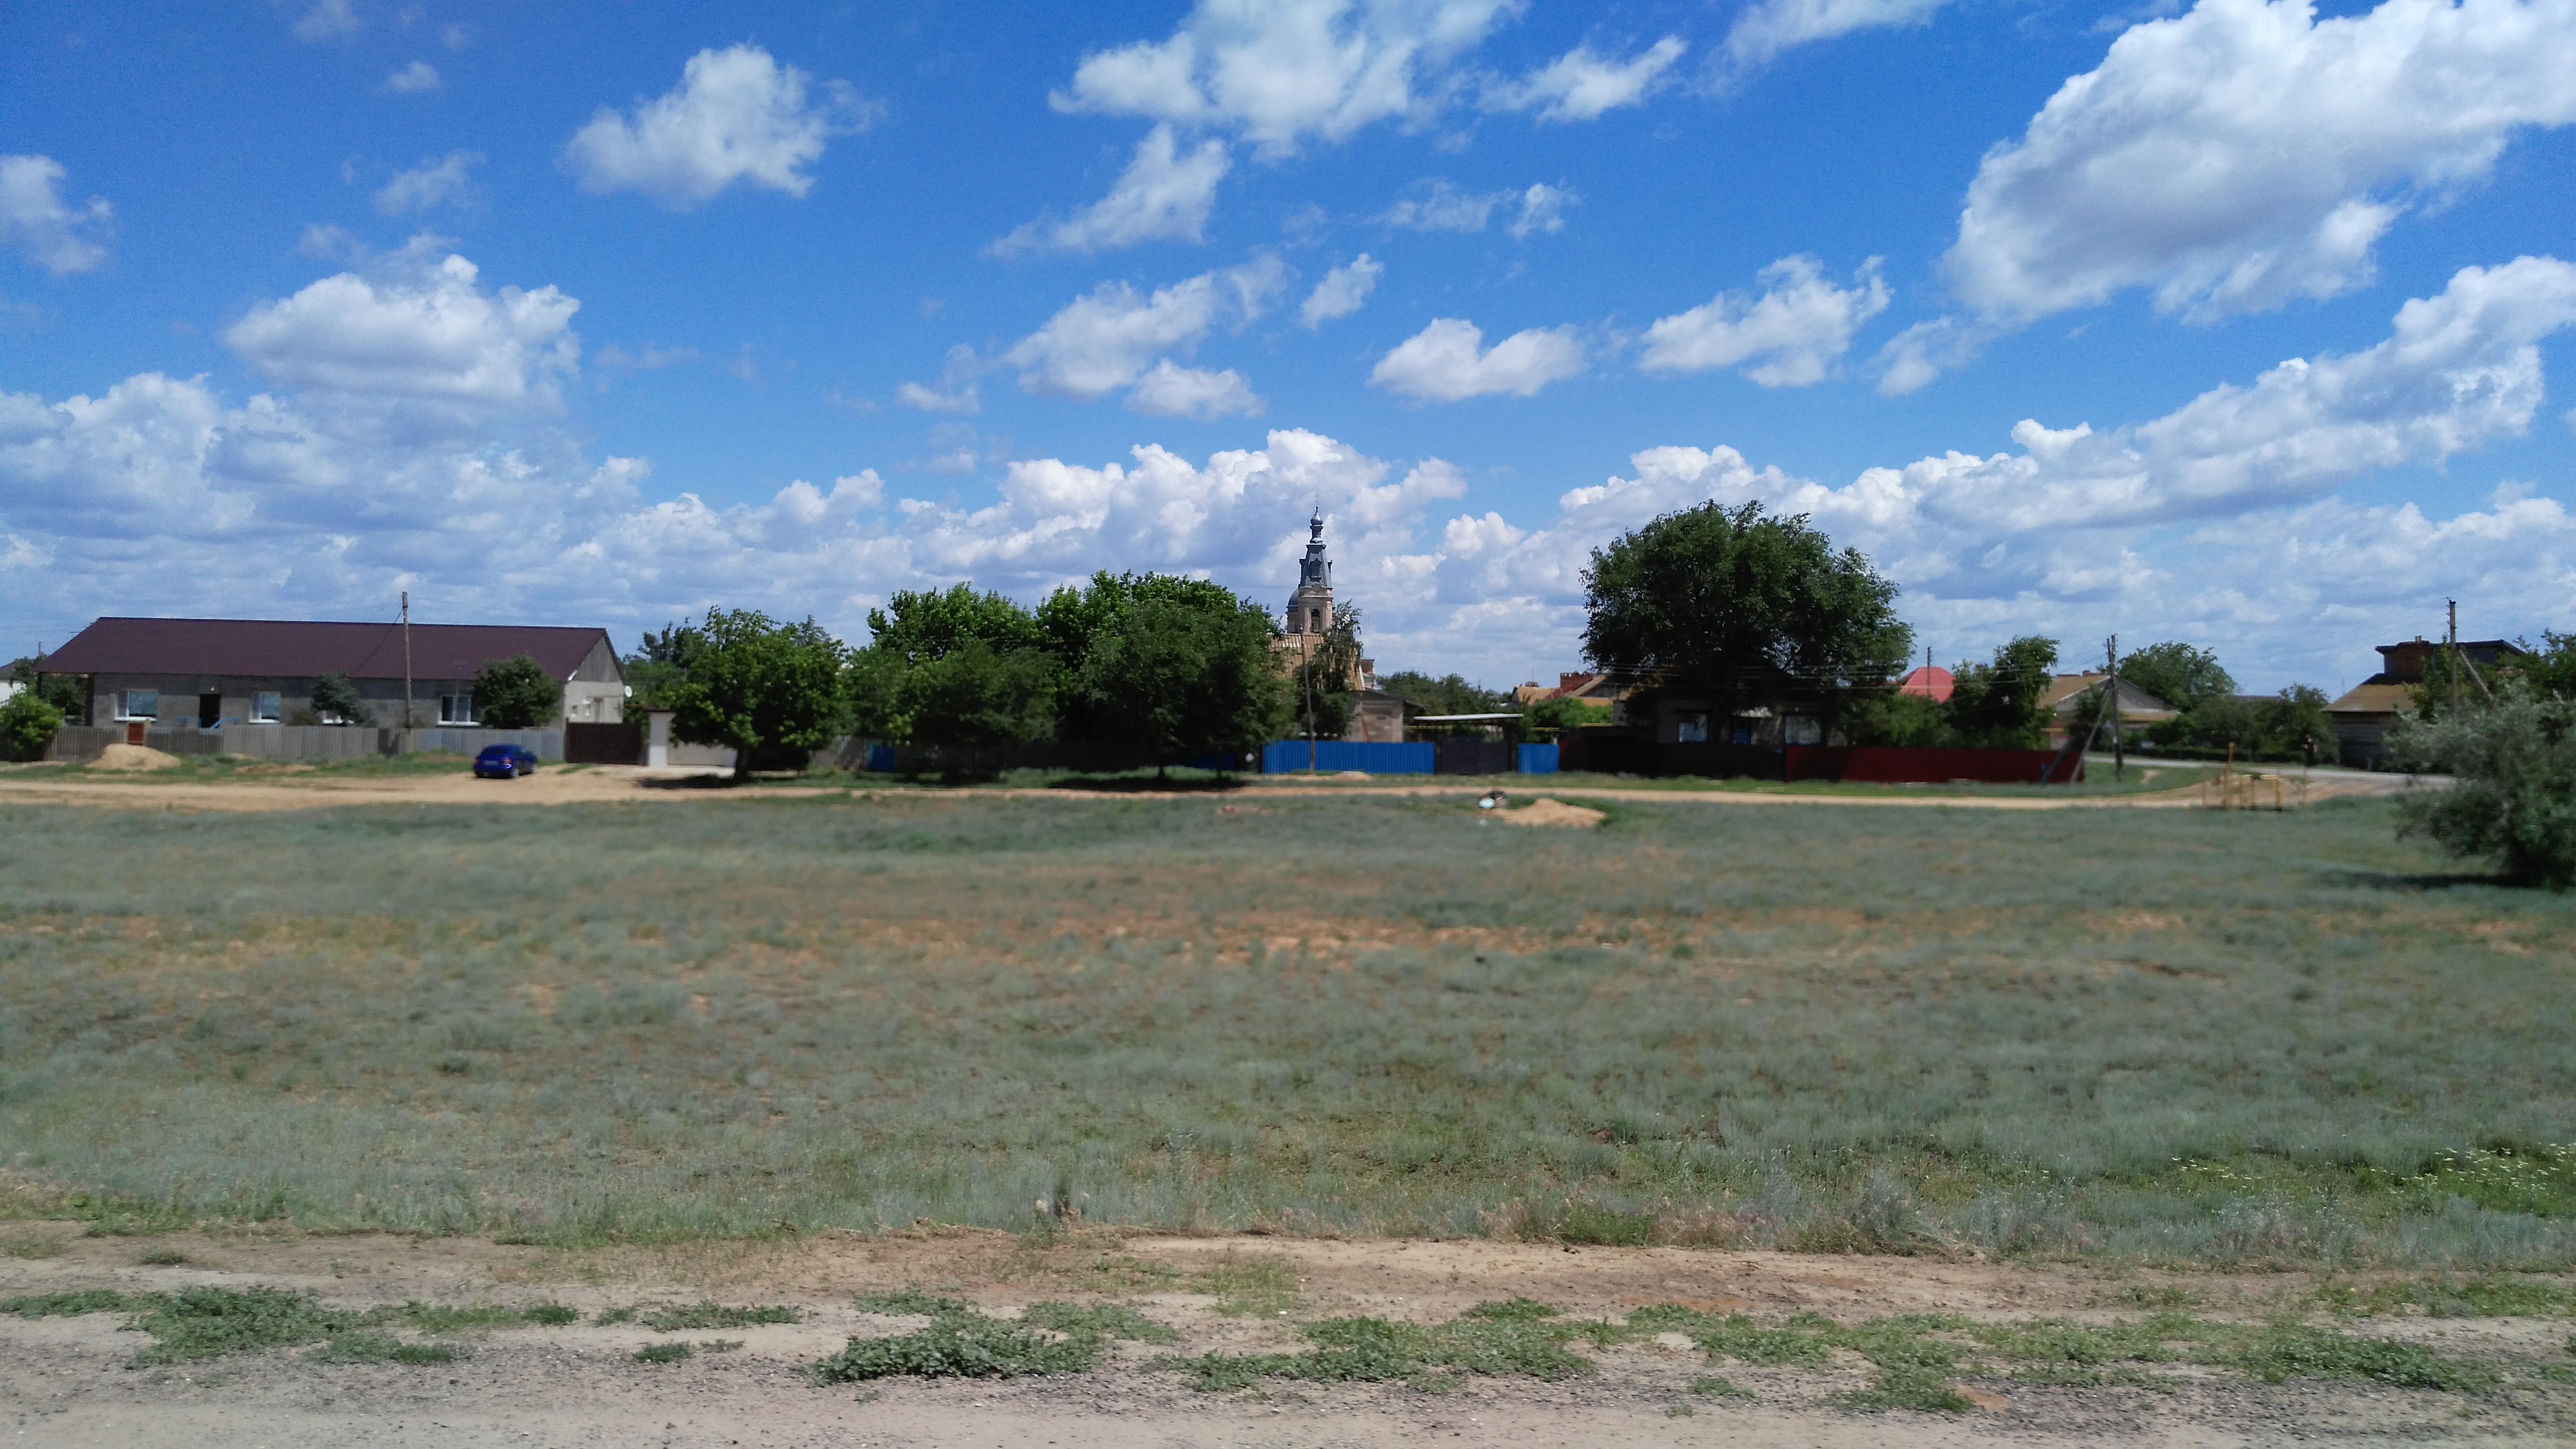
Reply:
x=505 y=762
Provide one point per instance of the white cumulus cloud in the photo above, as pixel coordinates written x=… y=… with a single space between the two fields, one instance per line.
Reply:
x=737 y=116
x=430 y=184
x=1163 y=195
x=34 y=219
x=1279 y=71
x=1764 y=29
x=1102 y=342
x=1448 y=362
x=956 y=392
x=2247 y=154
x=420 y=327
x=1542 y=209
x=1169 y=390
x=1344 y=290
x=1793 y=332
x=1582 y=83
x=414 y=79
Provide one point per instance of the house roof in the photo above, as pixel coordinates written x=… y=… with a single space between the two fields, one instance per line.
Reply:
x=2135 y=703
x=2375 y=697
x=1931 y=682
x=300 y=649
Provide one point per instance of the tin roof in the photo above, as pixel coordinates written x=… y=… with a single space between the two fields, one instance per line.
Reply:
x=301 y=649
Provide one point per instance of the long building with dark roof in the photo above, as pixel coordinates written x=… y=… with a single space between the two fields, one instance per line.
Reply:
x=224 y=672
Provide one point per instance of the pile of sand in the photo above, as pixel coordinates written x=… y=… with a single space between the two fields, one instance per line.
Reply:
x=133 y=757
x=1543 y=811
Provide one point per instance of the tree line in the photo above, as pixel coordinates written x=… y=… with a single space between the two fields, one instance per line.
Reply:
x=1174 y=668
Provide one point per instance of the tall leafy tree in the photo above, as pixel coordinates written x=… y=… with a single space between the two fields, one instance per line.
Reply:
x=516 y=693
x=2177 y=673
x=962 y=672
x=1997 y=705
x=1326 y=674
x=1075 y=620
x=1724 y=604
x=753 y=684
x=1185 y=675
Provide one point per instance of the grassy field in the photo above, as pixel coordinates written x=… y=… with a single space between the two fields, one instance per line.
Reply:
x=2154 y=1035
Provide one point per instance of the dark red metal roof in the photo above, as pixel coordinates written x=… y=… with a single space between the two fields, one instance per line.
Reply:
x=299 y=649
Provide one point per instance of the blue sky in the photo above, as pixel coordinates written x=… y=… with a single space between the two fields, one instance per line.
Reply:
x=2234 y=323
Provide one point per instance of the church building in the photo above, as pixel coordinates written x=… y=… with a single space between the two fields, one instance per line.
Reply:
x=1376 y=716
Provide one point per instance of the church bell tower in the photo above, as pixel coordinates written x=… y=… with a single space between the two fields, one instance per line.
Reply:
x=1310 y=608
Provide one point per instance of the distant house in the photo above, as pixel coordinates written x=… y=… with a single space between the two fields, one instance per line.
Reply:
x=2068 y=694
x=1590 y=688
x=219 y=672
x=2370 y=709
x=1931 y=682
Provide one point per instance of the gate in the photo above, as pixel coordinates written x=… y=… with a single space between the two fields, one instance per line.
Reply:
x=603 y=744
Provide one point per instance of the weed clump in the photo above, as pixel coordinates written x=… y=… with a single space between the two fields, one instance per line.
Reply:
x=1097 y=1320
x=209 y=1322
x=662 y=1353
x=2305 y=1353
x=1248 y=1287
x=1516 y=1338
x=376 y=1348
x=964 y=1342
x=716 y=1315
x=72 y=1305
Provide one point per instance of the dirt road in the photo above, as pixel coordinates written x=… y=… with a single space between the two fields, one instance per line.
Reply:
x=591 y=785
x=64 y=1381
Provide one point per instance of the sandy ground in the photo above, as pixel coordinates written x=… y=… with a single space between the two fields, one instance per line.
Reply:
x=63 y=1382
x=557 y=785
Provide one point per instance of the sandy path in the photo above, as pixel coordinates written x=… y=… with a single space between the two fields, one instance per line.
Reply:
x=63 y=1381
x=559 y=786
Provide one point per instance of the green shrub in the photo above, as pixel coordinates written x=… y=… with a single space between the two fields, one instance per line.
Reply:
x=516 y=694
x=27 y=726
x=2513 y=800
x=662 y=1353
x=716 y=1315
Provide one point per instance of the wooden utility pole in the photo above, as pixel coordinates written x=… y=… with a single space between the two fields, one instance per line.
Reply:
x=2453 y=650
x=2119 y=752
x=406 y=627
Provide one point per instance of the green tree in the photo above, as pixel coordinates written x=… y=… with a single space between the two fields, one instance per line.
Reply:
x=1997 y=706
x=971 y=703
x=756 y=685
x=1903 y=721
x=653 y=671
x=337 y=700
x=67 y=693
x=1075 y=619
x=2176 y=673
x=2513 y=796
x=516 y=693
x=2295 y=722
x=1186 y=677
x=1558 y=716
x=1449 y=694
x=27 y=725
x=2550 y=668
x=1724 y=604
x=964 y=673
x=930 y=624
x=1319 y=686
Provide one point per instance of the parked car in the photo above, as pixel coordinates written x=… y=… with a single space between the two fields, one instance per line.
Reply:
x=505 y=762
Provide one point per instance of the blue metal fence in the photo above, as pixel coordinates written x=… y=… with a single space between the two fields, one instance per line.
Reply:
x=1538 y=760
x=1335 y=756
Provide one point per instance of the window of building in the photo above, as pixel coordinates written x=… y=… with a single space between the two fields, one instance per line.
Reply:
x=264 y=707
x=138 y=704
x=1692 y=729
x=456 y=709
x=1799 y=729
